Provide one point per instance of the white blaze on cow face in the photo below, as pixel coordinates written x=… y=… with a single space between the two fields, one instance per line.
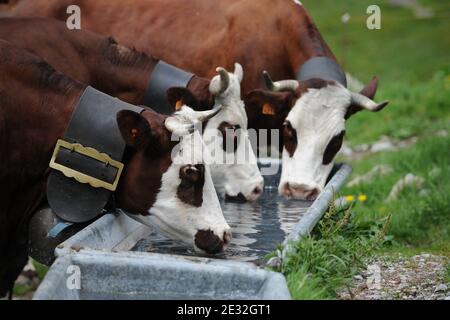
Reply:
x=314 y=130
x=234 y=168
x=187 y=207
x=317 y=120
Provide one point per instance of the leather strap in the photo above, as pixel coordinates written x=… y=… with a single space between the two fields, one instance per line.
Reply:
x=93 y=124
x=164 y=76
x=323 y=68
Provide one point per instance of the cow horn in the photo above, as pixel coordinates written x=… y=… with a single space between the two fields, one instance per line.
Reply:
x=224 y=82
x=203 y=116
x=363 y=102
x=238 y=71
x=176 y=125
x=283 y=85
x=184 y=121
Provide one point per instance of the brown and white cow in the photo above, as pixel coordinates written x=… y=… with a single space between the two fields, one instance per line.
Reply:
x=274 y=35
x=36 y=104
x=124 y=73
x=313 y=128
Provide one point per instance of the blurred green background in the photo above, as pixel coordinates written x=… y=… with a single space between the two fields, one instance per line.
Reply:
x=413 y=43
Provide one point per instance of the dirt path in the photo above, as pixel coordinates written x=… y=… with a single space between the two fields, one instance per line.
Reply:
x=421 y=277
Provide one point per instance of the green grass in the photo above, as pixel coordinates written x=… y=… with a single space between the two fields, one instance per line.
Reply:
x=405 y=49
x=21 y=290
x=40 y=269
x=328 y=259
x=416 y=221
x=414 y=109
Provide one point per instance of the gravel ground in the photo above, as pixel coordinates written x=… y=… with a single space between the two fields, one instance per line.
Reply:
x=421 y=277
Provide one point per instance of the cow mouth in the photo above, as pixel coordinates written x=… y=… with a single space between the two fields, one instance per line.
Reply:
x=239 y=198
x=210 y=243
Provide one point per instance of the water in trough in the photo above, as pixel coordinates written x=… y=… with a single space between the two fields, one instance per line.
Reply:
x=257 y=227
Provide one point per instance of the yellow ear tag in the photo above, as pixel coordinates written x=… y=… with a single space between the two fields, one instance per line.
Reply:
x=134 y=132
x=268 y=109
x=178 y=105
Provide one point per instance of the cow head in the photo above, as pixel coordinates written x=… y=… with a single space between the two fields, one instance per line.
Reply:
x=313 y=113
x=166 y=182
x=234 y=166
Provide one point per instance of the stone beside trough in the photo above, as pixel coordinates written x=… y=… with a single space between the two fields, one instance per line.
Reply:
x=108 y=270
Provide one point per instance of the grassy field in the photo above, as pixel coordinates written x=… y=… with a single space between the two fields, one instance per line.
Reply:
x=411 y=56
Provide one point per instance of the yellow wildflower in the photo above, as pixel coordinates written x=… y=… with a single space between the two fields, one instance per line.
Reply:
x=362 y=197
x=350 y=198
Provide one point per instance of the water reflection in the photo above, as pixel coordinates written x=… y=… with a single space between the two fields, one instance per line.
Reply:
x=257 y=227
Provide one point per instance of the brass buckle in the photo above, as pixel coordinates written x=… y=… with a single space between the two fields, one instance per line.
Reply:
x=91 y=153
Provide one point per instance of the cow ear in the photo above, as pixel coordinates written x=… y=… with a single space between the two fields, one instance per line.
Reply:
x=134 y=129
x=179 y=96
x=368 y=91
x=269 y=103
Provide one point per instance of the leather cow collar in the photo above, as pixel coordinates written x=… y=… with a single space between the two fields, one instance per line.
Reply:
x=324 y=68
x=163 y=77
x=86 y=163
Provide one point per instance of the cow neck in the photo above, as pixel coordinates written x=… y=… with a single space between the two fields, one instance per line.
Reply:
x=163 y=77
x=121 y=72
x=309 y=54
x=93 y=125
x=321 y=68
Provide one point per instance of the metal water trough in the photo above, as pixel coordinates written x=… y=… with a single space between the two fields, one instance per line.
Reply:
x=109 y=270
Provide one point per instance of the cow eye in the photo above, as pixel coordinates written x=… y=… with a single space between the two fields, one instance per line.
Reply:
x=288 y=132
x=289 y=138
x=333 y=147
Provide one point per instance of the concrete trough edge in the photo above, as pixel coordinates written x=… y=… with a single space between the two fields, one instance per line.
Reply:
x=264 y=284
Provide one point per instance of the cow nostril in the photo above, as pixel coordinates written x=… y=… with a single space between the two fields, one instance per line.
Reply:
x=312 y=195
x=257 y=190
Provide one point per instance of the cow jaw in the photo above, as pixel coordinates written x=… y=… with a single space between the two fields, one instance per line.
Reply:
x=317 y=120
x=177 y=218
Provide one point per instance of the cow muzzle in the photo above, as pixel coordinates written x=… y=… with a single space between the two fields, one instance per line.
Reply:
x=210 y=242
x=243 y=191
x=300 y=191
